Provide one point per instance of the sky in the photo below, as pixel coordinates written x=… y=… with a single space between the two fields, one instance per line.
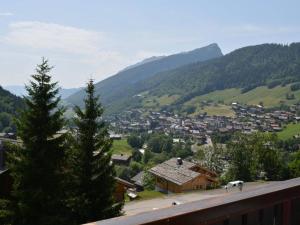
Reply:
x=97 y=38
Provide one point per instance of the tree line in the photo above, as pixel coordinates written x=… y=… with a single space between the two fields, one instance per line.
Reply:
x=59 y=177
x=250 y=157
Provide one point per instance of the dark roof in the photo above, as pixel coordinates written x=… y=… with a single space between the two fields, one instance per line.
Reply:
x=138 y=179
x=3 y=171
x=178 y=174
x=124 y=182
x=120 y=157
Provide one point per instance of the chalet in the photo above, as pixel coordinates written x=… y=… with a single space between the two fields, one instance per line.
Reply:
x=121 y=188
x=121 y=159
x=177 y=175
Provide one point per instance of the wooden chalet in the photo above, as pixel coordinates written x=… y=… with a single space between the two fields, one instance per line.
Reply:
x=121 y=188
x=177 y=175
x=121 y=159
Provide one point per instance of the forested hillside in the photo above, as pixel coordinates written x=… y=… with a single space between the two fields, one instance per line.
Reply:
x=9 y=105
x=122 y=85
x=247 y=68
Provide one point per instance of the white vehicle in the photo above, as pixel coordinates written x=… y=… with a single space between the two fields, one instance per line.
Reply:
x=235 y=183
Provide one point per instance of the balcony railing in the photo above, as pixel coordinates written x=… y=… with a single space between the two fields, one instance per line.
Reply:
x=277 y=203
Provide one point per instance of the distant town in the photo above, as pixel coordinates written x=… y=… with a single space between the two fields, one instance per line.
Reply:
x=247 y=119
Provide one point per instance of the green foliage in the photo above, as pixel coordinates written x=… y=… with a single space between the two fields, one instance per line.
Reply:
x=135 y=141
x=160 y=143
x=182 y=150
x=136 y=155
x=289 y=131
x=124 y=172
x=221 y=137
x=135 y=167
x=37 y=166
x=148 y=181
x=190 y=109
x=255 y=153
x=147 y=156
x=93 y=200
x=294 y=165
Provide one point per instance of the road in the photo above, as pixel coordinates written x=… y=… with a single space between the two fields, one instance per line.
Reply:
x=140 y=206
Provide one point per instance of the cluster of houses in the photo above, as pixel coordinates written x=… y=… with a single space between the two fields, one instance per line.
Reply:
x=247 y=119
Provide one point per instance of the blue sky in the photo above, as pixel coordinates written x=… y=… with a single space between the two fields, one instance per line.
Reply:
x=97 y=38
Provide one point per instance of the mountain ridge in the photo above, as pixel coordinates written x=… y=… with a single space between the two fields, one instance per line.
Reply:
x=118 y=85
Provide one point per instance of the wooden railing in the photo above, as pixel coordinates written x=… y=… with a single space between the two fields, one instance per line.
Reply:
x=277 y=203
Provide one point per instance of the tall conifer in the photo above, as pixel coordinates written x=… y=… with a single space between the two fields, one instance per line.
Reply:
x=96 y=181
x=37 y=167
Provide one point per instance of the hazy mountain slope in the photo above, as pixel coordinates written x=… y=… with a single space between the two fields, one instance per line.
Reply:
x=122 y=84
x=20 y=90
x=151 y=59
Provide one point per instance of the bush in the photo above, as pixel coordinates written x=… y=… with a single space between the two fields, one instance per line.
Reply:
x=149 y=181
x=135 y=141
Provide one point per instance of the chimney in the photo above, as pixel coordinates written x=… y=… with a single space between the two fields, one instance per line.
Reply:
x=179 y=161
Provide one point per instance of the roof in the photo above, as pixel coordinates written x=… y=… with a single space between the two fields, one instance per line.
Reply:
x=3 y=171
x=124 y=182
x=178 y=174
x=138 y=179
x=120 y=157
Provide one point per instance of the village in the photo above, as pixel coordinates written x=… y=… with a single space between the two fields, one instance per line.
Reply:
x=247 y=119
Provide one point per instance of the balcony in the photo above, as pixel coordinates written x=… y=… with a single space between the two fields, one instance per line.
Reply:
x=277 y=203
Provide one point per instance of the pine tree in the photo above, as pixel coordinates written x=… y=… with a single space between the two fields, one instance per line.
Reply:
x=37 y=167
x=96 y=175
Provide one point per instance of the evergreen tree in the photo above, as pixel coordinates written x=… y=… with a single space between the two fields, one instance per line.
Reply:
x=96 y=175
x=37 y=166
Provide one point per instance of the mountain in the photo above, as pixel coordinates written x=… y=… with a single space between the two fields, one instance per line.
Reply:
x=67 y=92
x=9 y=105
x=121 y=86
x=151 y=59
x=245 y=68
x=20 y=90
x=250 y=74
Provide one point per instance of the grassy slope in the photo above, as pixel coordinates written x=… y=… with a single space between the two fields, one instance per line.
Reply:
x=288 y=132
x=269 y=97
x=121 y=146
x=156 y=102
x=220 y=110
